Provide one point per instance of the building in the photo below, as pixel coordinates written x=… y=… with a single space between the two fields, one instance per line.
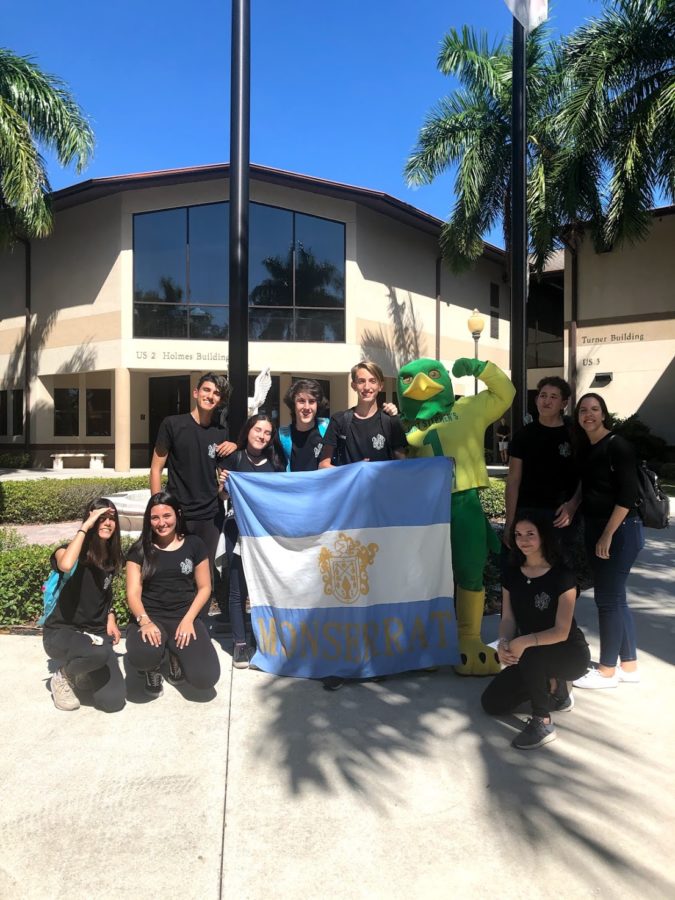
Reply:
x=127 y=302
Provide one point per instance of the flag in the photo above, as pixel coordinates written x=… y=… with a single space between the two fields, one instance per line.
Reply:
x=349 y=570
x=529 y=13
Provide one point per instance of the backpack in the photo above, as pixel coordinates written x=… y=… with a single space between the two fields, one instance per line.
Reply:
x=344 y=420
x=286 y=440
x=51 y=591
x=653 y=505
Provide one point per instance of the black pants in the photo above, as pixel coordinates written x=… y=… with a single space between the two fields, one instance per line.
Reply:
x=529 y=680
x=238 y=588
x=77 y=655
x=209 y=531
x=199 y=660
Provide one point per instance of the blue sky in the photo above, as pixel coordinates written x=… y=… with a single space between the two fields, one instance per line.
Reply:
x=339 y=90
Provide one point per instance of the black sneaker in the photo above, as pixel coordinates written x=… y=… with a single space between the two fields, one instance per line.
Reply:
x=535 y=734
x=332 y=683
x=176 y=674
x=561 y=698
x=240 y=656
x=153 y=683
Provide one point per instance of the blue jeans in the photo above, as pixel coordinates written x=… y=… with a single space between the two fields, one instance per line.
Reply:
x=617 y=631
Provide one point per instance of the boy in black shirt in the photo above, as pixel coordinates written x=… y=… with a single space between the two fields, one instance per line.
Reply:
x=365 y=432
x=189 y=444
x=542 y=470
x=302 y=440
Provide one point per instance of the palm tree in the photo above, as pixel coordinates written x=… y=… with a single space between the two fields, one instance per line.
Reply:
x=622 y=107
x=37 y=112
x=471 y=129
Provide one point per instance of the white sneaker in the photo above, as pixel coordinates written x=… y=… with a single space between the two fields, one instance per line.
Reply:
x=62 y=693
x=594 y=681
x=628 y=677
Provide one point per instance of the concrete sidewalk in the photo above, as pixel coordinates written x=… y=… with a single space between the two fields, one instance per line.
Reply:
x=400 y=789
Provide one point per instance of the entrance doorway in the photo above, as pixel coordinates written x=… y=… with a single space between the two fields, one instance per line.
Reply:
x=169 y=395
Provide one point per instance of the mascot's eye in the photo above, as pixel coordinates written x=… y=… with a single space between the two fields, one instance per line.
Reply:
x=434 y=373
x=406 y=379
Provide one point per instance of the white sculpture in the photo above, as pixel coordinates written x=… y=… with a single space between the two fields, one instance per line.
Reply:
x=261 y=389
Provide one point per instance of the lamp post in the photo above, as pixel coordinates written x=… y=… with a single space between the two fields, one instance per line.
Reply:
x=476 y=325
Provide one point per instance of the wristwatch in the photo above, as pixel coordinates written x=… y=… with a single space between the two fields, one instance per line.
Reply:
x=142 y=616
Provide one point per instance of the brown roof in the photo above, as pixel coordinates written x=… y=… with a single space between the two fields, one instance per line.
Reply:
x=95 y=188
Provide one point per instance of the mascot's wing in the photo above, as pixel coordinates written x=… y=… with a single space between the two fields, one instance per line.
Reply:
x=261 y=389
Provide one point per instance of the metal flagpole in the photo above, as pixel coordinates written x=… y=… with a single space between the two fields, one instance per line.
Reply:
x=527 y=14
x=240 y=126
x=519 y=226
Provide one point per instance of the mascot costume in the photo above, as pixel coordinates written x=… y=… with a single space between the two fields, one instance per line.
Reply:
x=437 y=425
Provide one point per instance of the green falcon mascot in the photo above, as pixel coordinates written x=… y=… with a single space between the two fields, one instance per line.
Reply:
x=437 y=425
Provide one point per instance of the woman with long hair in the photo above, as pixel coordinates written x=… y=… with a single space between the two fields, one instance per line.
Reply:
x=168 y=582
x=258 y=450
x=81 y=630
x=614 y=536
x=540 y=645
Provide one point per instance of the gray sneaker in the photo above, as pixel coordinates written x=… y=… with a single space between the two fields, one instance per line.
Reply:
x=535 y=734
x=62 y=692
x=562 y=700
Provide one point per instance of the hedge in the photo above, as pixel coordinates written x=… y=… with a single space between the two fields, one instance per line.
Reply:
x=15 y=460
x=57 y=500
x=492 y=499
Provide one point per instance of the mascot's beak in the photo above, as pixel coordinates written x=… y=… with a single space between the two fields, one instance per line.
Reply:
x=423 y=388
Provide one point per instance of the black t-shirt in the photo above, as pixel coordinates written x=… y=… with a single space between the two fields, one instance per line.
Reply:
x=364 y=438
x=170 y=590
x=85 y=599
x=608 y=477
x=239 y=462
x=191 y=461
x=307 y=446
x=534 y=601
x=550 y=475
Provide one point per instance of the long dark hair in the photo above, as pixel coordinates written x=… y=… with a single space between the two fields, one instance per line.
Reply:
x=97 y=552
x=144 y=545
x=272 y=452
x=544 y=525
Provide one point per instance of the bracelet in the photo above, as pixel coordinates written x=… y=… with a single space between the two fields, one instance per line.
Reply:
x=149 y=622
x=142 y=616
x=81 y=530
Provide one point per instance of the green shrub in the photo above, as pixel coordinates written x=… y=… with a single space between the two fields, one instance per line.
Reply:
x=668 y=472
x=22 y=573
x=57 y=500
x=492 y=499
x=10 y=539
x=647 y=445
x=15 y=460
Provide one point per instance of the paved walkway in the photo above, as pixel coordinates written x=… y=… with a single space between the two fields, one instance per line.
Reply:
x=32 y=474
x=395 y=790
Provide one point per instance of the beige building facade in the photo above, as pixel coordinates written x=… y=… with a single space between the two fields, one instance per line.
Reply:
x=125 y=305
x=620 y=324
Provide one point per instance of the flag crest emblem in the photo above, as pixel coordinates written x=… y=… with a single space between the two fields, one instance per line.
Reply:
x=345 y=568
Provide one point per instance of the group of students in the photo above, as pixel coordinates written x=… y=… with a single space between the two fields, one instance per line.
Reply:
x=555 y=468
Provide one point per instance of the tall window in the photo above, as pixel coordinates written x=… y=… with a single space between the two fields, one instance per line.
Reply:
x=17 y=412
x=3 y=412
x=545 y=323
x=494 y=310
x=181 y=274
x=66 y=412
x=98 y=412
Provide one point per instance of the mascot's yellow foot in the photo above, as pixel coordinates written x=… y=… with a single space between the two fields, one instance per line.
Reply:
x=477 y=657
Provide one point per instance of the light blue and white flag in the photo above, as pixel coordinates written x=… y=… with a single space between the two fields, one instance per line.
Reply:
x=349 y=569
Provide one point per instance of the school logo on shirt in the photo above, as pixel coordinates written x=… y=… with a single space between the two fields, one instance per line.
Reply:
x=565 y=449
x=542 y=601
x=212 y=450
x=378 y=442
x=317 y=450
x=186 y=566
x=107 y=582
